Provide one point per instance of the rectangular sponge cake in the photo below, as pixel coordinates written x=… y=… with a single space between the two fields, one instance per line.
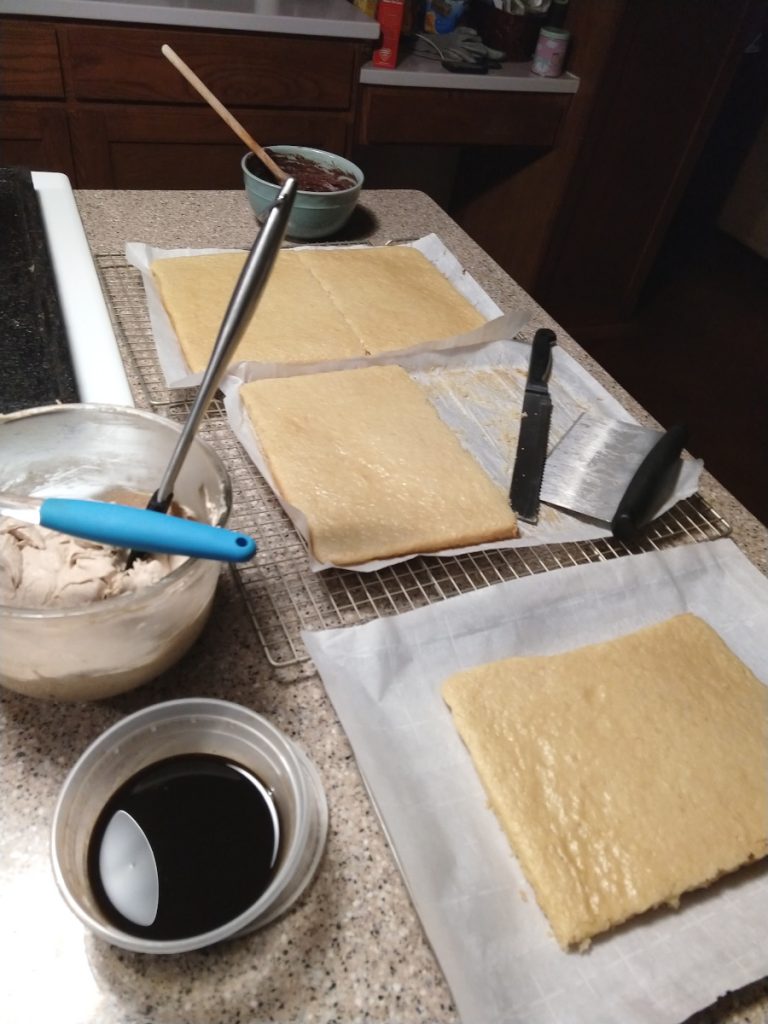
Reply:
x=319 y=304
x=624 y=773
x=365 y=457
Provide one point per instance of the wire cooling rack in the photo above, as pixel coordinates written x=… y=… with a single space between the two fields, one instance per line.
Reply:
x=282 y=594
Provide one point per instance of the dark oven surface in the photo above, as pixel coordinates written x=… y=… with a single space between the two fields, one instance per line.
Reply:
x=35 y=365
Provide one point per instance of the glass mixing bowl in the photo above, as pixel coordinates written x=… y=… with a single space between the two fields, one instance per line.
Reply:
x=93 y=451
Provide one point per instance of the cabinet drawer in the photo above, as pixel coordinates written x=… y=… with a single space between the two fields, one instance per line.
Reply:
x=248 y=70
x=29 y=61
x=117 y=146
x=458 y=117
x=35 y=135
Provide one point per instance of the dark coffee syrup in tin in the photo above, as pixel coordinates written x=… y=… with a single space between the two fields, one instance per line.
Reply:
x=213 y=832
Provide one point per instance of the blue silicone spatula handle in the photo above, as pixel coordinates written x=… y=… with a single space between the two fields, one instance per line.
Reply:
x=140 y=528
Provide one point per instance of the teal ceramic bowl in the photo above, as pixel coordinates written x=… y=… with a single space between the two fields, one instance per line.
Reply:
x=315 y=215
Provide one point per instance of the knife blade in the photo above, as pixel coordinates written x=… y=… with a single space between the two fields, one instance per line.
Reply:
x=128 y=527
x=534 y=430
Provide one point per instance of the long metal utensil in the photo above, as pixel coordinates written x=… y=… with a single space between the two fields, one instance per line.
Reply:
x=245 y=297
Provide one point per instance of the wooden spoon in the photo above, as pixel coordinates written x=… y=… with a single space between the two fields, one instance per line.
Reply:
x=223 y=113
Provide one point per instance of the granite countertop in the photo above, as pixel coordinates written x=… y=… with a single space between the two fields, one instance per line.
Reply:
x=352 y=949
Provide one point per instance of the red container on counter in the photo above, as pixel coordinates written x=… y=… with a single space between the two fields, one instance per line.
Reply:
x=389 y=15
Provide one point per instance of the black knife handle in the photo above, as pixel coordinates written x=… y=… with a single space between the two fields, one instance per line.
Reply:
x=541 y=358
x=644 y=487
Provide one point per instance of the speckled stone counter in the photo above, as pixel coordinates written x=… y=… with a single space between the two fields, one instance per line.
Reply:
x=352 y=949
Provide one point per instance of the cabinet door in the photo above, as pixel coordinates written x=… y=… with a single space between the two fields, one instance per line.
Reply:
x=455 y=117
x=164 y=147
x=29 y=61
x=125 y=64
x=35 y=135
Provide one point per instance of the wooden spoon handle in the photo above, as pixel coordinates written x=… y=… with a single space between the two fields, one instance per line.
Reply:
x=223 y=113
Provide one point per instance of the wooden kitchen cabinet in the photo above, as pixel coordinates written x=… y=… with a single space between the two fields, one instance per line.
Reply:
x=458 y=146
x=457 y=117
x=245 y=70
x=570 y=193
x=131 y=146
x=29 y=61
x=120 y=116
x=34 y=129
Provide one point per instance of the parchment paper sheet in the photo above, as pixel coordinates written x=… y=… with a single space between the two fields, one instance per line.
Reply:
x=478 y=392
x=475 y=380
x=493 y=943
x=178 y=374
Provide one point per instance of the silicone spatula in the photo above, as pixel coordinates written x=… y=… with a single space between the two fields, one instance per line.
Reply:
x=127 y=527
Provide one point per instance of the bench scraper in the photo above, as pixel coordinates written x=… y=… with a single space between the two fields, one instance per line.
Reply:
x=618 y=473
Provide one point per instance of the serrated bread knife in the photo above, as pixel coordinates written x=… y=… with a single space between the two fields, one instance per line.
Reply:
x=534 y=430
x=128 y=527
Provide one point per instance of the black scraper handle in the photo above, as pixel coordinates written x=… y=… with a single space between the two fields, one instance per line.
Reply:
x=643 y=491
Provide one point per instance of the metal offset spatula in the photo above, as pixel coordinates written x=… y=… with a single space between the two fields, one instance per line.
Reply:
x=244 y=298
x=615 y=472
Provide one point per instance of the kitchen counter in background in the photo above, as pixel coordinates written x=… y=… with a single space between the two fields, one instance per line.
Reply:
x=353 y=948
x=418 y=72
x=299 y=17
x=313 y=18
